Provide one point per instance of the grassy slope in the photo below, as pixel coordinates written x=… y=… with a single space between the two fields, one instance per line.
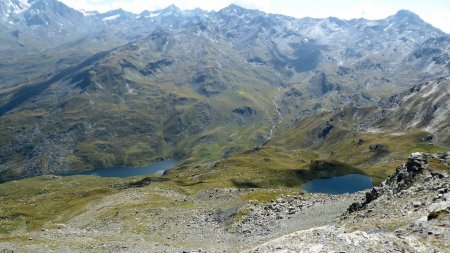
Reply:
x=47 y=203
x=30 y=204
x=128 y=118
x=352 y=147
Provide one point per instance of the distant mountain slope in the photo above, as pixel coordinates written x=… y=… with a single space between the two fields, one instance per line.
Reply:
x=158 y=97
x=47 y=30
x=377 y=136
x=422 y=107
x=83 y=90
x=425 y=106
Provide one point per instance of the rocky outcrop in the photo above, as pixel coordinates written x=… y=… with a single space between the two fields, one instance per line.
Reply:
x=326 y=130
x=416 y=169
x=244 y=114
x=408 y=212
x=320 y=84
x=282 y=214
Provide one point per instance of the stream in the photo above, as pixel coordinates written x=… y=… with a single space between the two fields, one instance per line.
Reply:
x=280 y=115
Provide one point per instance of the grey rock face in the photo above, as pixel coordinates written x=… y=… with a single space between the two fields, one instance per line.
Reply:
x=408 y=212
x=404 y=177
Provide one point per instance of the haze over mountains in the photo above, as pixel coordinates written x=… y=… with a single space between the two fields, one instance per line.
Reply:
x=87 y=90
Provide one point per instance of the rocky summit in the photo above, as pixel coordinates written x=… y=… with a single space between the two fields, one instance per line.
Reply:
x=177 y=130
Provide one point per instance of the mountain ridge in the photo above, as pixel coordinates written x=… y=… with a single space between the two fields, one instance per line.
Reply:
x=22 y=38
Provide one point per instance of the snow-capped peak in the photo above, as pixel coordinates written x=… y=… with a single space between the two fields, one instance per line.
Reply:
x=15 y=6
x=88 y=13
x=153 y=14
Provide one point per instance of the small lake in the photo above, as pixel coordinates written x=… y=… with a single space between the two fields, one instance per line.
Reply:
x=154 y=168
x=339 y=185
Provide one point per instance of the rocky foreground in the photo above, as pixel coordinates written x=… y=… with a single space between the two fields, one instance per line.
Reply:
x=409 y=212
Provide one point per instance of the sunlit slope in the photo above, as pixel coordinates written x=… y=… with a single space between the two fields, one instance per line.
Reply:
x=176 y=96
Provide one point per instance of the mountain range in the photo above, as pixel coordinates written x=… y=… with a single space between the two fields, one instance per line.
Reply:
x=83 y=90
x=258 y=111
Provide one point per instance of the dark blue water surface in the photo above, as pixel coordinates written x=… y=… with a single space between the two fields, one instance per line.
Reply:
x=157 y=167
x=339 y=185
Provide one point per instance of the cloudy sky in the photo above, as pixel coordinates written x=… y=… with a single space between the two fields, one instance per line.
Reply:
x=436 y=12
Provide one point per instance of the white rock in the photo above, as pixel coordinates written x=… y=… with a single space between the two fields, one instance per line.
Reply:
x=365 y=235
x=417 y=203
x=349 y=241
x=316 y=248
x=422 y=219
x=440 y=206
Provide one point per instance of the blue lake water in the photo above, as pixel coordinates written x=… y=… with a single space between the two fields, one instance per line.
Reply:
x=338 y=185
x=157 y=167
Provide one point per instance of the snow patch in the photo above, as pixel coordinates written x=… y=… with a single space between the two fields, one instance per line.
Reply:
x=87 y=13
x=23 y=6
x=389 y=27
x=16 y=6
x=111 y=17
x=152 y=15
